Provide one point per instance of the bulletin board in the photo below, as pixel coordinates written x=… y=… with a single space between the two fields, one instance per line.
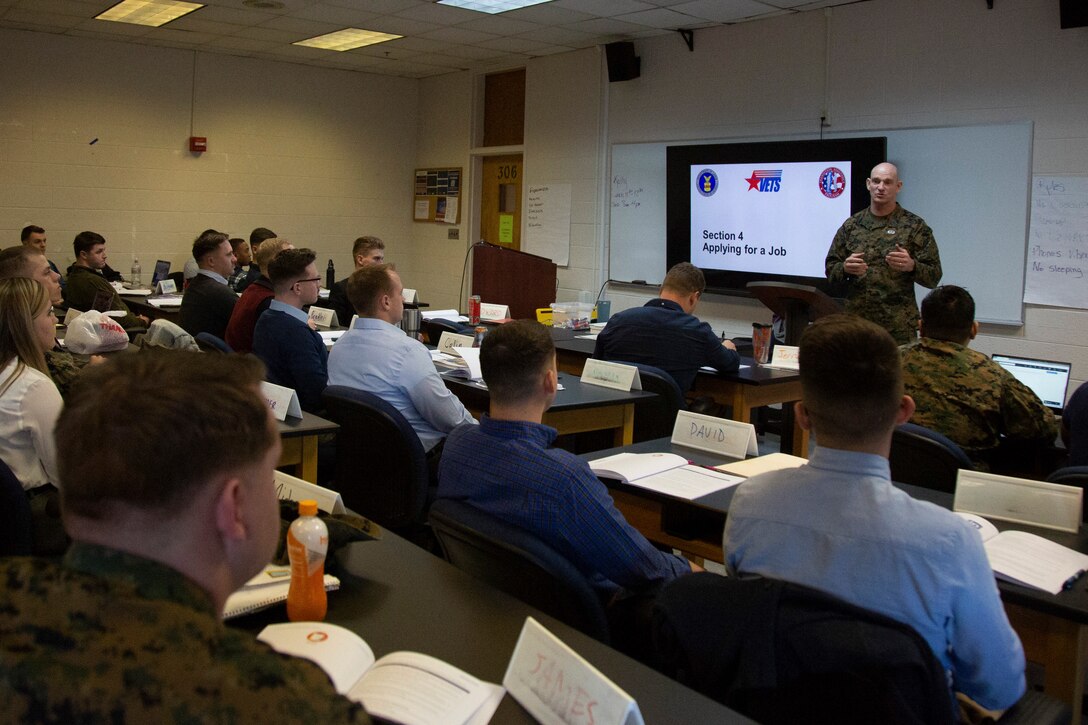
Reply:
x=437 y=195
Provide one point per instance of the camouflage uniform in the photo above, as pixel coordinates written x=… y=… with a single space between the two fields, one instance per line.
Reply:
x=884 y=295
x=107 y=637
x=971 y=399
x=64 y=368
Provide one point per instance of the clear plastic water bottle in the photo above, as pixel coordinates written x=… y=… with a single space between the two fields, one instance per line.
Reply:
x=135 y=274
x=307 y=543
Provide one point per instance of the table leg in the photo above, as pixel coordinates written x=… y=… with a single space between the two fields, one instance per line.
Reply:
x=1057 y=644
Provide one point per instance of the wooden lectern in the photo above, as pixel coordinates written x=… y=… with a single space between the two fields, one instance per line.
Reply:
x=509 y=277
x=797 y=304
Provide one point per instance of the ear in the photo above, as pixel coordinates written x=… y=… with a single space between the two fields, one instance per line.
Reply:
x=974 y=329
x=550 y=381
x=801 y=412
x=229 y=507
x=906 y=410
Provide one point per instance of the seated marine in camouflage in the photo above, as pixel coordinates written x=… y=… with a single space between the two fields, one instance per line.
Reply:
x=127 y=626
x=962 y=393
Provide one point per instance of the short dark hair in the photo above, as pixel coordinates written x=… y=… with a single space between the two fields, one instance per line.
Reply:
x=236 y=242
x=14 y=261
x=260 y=234
x=208 y=241
x=512 y=357
x=189 y=415
x=851 y=380
x=288 y=266
x=947 y=314
x=684 y=278
x=84 y=241
x=28 y=230
x=365 y=244
x=367 y=284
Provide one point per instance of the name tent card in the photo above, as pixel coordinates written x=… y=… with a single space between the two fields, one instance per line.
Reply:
x=70 y=316
x=290 y=488
x=716 y=435
x=786 y=357
x=493 y=312
x=166 y=287
x=1020 y=500
x=410 y=296
x=450 y=340
x=611 y=375
x=324 y=317
x=283 y=401
x=556 y=685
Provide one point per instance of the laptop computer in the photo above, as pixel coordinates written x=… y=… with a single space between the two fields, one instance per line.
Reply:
x=162 y=269
x=1047 y=379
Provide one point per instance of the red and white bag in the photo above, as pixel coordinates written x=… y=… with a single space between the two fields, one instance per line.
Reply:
x=94 y=332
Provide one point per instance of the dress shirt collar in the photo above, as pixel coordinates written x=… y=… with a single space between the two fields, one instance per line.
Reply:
x=149 y=579
x=214 y=275
x=290 y=310
x=852 y=463
x=667 y=304
x=373 y=323
x=517 y=429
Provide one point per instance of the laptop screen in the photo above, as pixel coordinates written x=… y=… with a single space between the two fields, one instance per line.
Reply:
x=1048 y=379
x=162 y=268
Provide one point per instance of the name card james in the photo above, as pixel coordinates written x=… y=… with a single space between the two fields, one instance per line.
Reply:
x=324 y=317
x=611 y=375
x=716 y=435
x=556 y=685
x=283 y=401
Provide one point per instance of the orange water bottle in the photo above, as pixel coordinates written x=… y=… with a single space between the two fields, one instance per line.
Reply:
x=307 y=542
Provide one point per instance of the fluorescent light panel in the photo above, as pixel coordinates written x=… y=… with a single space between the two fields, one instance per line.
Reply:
x=491 y=6
x=347 y=39
x=148 y=12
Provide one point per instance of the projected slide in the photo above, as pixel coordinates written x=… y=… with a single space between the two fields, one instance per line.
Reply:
x=767 y=218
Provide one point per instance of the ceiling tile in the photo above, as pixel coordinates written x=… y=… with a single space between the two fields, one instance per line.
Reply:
x=301 y=27
x=276 y=36
x=48 y=20
x=548 y=14
x=343 y=16
x=498 y=25
x=514 y=45
x=381 y=7
x=605 y=26
x=400 y=26
x=457 y=35
x=604 y=8
x=660 y=18
x=724 y=11
x=558 y=36
x=235 y=15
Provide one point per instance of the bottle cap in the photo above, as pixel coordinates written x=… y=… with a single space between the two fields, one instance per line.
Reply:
x=308 y=507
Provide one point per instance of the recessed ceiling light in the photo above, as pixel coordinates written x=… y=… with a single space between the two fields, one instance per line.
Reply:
x=148 y=12
x=347 y=39
x=491 y=6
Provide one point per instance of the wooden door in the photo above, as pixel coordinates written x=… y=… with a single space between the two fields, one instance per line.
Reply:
x=500 y=200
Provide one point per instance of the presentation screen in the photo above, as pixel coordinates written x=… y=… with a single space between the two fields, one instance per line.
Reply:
x=764 y=211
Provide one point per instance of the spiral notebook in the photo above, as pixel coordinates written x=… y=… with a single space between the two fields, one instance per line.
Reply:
x=267 y=588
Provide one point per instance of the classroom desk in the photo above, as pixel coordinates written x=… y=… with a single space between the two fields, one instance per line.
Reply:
x=749 y=388
x=300 y=437
x=397 y=596
x=577 y=408
x=1053 y=628
x=140 y=306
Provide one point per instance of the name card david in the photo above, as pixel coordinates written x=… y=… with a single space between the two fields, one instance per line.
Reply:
x=494 y=312
x=283 y=401
x=611 y=375
x=716 y=435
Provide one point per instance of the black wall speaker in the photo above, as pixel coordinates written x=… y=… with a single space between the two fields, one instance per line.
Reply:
x=1074 y=14
x=623 y=65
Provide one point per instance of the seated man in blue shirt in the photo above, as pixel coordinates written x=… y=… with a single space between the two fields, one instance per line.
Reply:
x=664 y=332
x=293 y=352
x=838 y=524
x=376 y=356
x=506 y=467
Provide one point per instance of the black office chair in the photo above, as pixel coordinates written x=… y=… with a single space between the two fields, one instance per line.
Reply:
x=656 y=417
x=208 y=342
x=782 y=653
x=1073 y=476
x=433 y=329
x=926 y=458
x=518 y=563
x=381 y=468
x=16 y=520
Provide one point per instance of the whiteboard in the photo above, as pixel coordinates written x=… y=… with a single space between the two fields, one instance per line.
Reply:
x=1058 y=242
x=971 y=184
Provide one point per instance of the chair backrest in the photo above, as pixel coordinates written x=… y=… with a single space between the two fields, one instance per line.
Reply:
x=1073 y=476
x=518 y=563
x=210 y=343
x=926 y=458
x=16 y=520
x=655 y=418
x=381 y=468
x=782 y=653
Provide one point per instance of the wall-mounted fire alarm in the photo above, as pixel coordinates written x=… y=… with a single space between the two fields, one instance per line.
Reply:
x=198 y=144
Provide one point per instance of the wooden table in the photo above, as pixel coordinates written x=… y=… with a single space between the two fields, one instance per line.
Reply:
x=751 y=387
x=300 y=438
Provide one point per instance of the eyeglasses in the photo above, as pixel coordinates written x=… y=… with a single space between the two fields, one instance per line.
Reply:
x=312 y=279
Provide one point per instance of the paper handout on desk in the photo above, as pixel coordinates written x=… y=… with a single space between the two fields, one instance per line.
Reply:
x=763 y=464
x=665 y=473
x=265 y=589
x=1027 y=559
x=406 y=687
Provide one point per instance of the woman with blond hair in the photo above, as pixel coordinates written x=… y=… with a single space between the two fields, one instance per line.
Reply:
x=29 y=401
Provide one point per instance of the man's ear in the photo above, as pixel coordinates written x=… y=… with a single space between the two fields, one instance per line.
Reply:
x=229 y=506
x=974 y=329
x=550 y=381
x=803 y=418
x=906 y=410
